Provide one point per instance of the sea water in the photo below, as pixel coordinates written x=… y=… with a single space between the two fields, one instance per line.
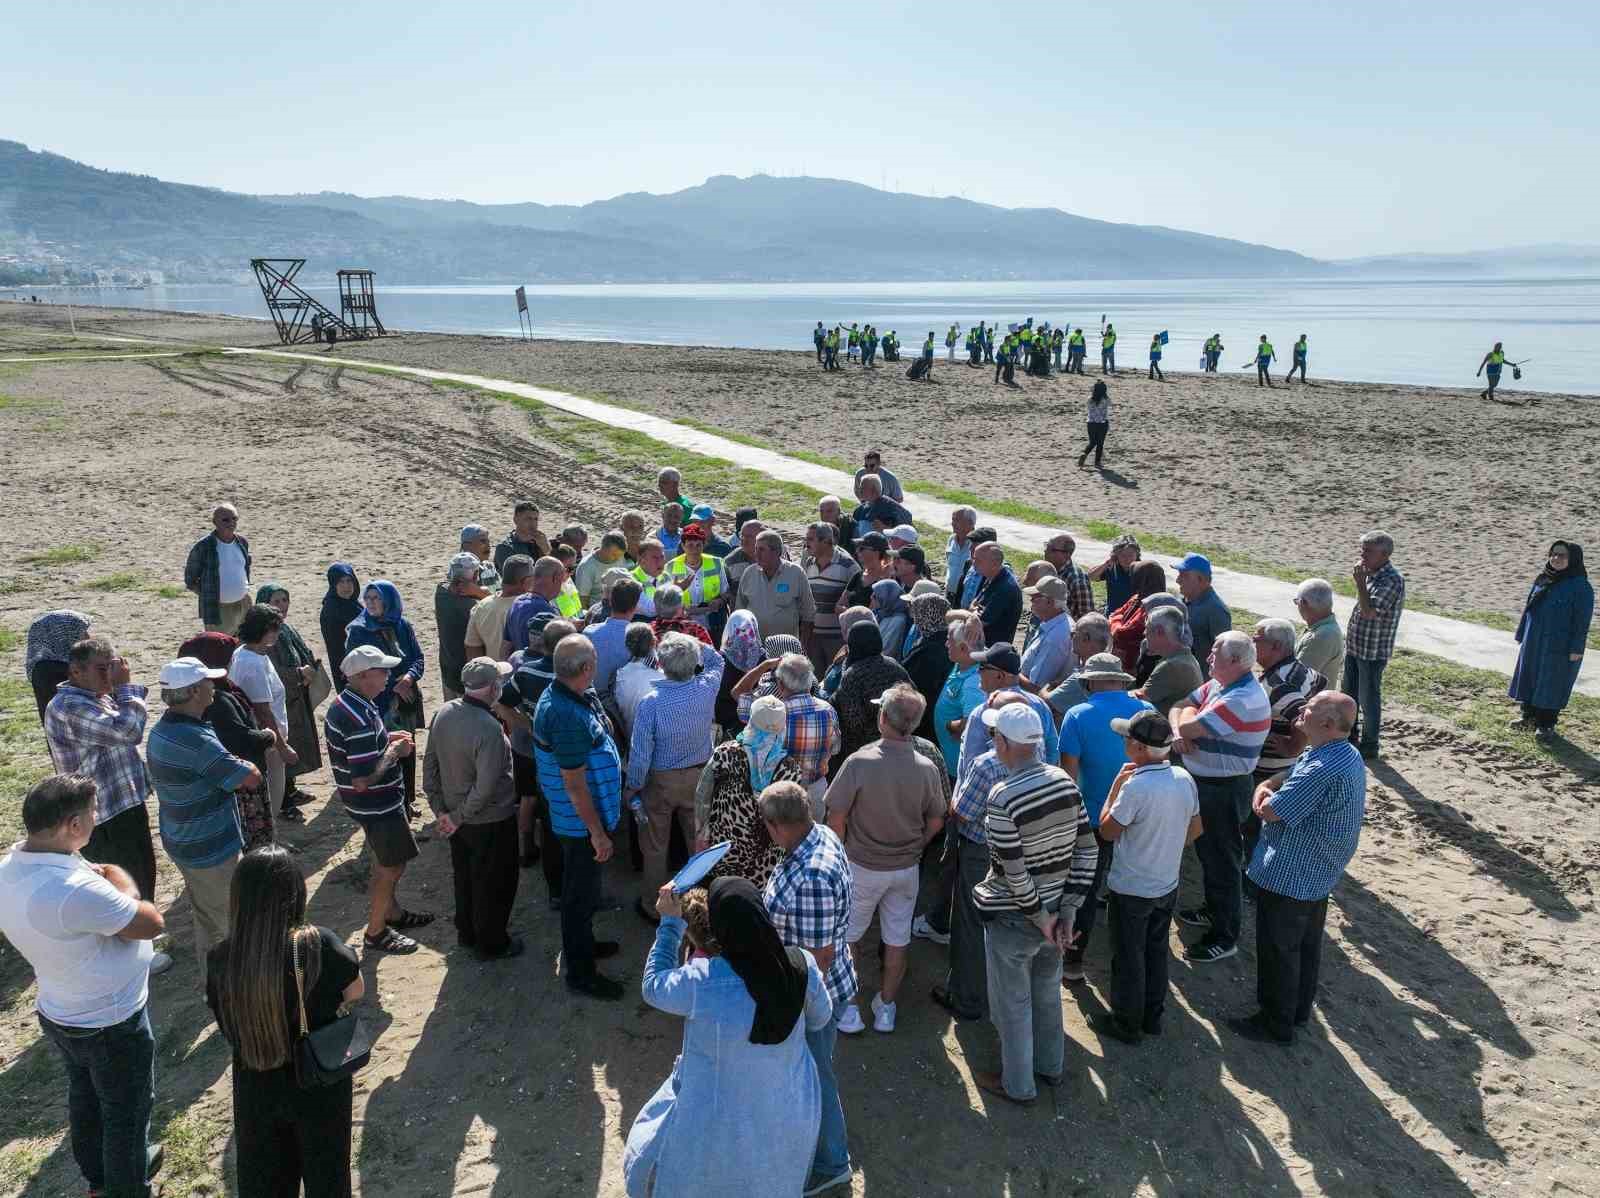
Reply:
x=1390 y=331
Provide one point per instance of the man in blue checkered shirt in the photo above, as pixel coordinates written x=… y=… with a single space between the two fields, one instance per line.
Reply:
x=809 y=897
x=1369 y=638
x=1310 y=826
x=965 y=993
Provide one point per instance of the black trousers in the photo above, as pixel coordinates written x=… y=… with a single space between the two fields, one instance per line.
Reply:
x=1224 y=804
x=1139 y=929
x=1541 y=717
x=1097 y=441
x=286 y=1135
x=483 y=860
x=124 y=840
x=1084 y=919
x=551 y=860
x=1288 y=957
x=580 y=897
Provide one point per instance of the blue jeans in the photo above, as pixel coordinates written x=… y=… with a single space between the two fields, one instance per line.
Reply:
x=111 y=1087
x=1025 y=1003
x=833 y=1148
x=1363 y=682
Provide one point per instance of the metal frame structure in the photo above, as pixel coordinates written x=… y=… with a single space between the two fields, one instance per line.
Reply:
x=291 y=306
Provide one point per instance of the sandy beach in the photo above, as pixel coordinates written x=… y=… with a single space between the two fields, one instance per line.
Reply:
x=1457 y=1040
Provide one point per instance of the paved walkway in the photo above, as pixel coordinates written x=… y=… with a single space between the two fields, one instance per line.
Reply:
x=1455 y=640
x=97 y=357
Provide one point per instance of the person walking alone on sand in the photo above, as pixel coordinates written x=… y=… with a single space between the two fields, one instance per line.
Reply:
x=1155 y=358
x=1099 y=422
x=1494 y=360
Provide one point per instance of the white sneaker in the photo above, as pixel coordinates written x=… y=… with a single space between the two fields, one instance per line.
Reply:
x=923 y=930
x=882 y=1014
x=850 y=1022
x=160 y=963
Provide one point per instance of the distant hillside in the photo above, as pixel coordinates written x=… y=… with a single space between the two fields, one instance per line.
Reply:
x=60 y=213
x=1538 y=260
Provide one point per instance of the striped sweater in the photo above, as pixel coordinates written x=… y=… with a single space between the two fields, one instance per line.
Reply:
x=1042 y=851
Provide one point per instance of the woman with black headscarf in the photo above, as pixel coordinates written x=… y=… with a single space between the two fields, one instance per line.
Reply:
x=340 y=605
x=1552 y=634
x=867 y=674
x=739 y=1115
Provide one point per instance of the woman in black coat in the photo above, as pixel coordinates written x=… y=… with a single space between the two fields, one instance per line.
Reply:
x=240 y=732
x=927 y=658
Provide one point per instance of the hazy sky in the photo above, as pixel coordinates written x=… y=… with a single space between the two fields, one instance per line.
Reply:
x=1404 y=126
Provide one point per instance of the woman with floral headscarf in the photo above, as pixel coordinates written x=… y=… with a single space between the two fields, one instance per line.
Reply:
x=382 y=623
x=50 y=637
x=725 y=799
x=894 y=617
x=928 y=658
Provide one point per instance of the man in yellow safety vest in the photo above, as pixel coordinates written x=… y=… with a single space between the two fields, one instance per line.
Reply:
x=700 y=576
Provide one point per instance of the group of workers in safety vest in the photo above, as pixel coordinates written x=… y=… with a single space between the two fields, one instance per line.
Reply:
x=863 y=341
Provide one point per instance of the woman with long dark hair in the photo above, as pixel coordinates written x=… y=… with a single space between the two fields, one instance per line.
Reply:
x=286 y=1135
x=1551 y=636
x=740 y=1112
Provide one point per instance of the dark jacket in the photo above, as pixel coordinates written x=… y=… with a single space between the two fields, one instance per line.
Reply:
x=200 y=574
x=928 y=663
x=238 y=729
x=1001 y=600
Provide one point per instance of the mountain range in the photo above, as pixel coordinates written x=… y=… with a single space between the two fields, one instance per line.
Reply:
x=61 y=217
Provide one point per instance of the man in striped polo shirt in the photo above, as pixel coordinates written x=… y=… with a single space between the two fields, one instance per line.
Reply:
x=365 y=759
x=1289 y=683
x=1220 y=729
x=830 y=571
x=195 y=778
x=1311 y=823
x=1042 y=858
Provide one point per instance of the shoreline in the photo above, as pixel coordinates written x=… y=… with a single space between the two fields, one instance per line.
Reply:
x=805 y=355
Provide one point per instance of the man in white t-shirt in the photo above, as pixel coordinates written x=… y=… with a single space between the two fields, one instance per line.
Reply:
x=1151 y=812
x=86 y=933
x=218 y=571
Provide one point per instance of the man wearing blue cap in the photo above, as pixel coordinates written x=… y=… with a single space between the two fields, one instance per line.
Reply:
x=1209 y=616
x=706 y=516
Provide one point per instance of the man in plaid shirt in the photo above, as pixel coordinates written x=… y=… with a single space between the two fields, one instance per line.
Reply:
x=218 y=572
x=965 y=993
x=1369 y=639
x=809 y=897
x=1058 y=551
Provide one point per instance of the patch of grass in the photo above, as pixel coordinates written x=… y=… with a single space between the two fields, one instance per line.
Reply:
x=24 y=759
x=61 y=555
x=123 y=580
x=187 y=1136
x=168 y=590
x=22 y=1160
x=15 y=585
x=9 y=639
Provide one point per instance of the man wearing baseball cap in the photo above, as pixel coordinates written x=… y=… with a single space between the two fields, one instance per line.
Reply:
x=1152 y=812
x=1041 y=867
x=195 y=778
x=1000 y=669
x=365 y=759
x=1047 y=656
x=901 y=535
x=466 y=776
x=1209 y=616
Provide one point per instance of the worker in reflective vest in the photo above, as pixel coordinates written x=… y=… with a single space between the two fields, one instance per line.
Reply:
x=1077 y=349
x=568 y=602
x=1108 y=351
x=650 y=573
x=701 y=577
x=1155 y=357
x=1265 y=356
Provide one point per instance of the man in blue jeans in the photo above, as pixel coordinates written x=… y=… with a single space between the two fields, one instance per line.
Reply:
x=809 y=897
x=87 y=935
x=1369 y=637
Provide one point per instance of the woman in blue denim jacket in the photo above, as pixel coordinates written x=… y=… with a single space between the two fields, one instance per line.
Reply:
x=740 y=1112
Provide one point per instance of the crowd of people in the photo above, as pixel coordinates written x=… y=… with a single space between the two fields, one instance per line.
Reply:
x=992 y=763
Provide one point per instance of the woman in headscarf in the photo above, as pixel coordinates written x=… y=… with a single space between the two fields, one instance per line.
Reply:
x=239 y=731
x=741 y=649
x=296 y=666
x=927 y=657
x=773 y=648
x=848 y=619
x=1127 y=621
x=893 y=615
x=725 y=806
x=50 y=636
x=340 y=605
x=1551 y=635
x=867 y=674
x=382 y=623
x=740 y=1112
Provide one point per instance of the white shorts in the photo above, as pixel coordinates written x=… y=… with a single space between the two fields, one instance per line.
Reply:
x=893 y=892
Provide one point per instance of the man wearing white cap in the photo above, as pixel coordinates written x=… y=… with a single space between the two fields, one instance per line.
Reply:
x=901 y=535
x=466 y=775
x=365 y=759
x=1041 y=866
x=195 y=778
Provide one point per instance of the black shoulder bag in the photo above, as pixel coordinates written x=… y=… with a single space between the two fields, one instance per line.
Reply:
x=334 y=1051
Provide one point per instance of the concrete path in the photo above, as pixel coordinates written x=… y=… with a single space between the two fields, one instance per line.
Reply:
x=98 y=357
x=1455 y=640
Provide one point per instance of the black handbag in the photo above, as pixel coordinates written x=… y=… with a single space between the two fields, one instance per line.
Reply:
x=334 y=1051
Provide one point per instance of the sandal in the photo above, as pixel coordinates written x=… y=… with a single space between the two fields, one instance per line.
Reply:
x=390 y=942
x=411 y=919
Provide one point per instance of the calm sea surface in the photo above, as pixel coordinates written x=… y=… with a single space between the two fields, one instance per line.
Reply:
x=1409 y=331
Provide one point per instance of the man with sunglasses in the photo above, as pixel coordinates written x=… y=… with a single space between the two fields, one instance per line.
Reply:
x=218 y=571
